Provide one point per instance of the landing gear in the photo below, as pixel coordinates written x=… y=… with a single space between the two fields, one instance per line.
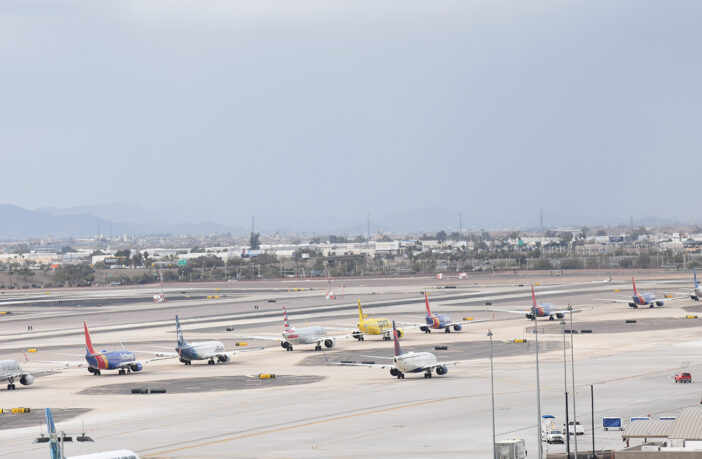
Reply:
x=96 y=372
x=122 y=372
x=551 y=318
x=318 y=347
x=187 y=362
x=400 y=375
x=428 y=374
x=211 y=362
x=10 y=386
x=447 y=330
x=651 y=306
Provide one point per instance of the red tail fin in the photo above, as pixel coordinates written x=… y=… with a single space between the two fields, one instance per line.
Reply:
x=634 y=284
x=88 y=343
x=398 y=351
x=286 y=325
x=426 y=297
x=533 y=297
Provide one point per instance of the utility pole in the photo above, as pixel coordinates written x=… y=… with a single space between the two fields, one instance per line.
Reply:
x=572 y=368
x=460 y=224
x=592 y=418
x=565 y=387
x=538 y=392
x=368 y=229
x=492 y=394
x=541 y=220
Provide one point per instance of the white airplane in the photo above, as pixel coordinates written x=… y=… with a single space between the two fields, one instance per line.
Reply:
x=642 y=299
x=696 y=293
x=11 y=371
x=308 y=335
x=202 y=350
x=541 y=310
x=56 y=443
x=410 y=362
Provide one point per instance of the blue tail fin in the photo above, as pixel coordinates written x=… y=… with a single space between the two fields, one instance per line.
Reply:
x=695 y=271
x=398 y=351
x=54 y=446
x=179 y=333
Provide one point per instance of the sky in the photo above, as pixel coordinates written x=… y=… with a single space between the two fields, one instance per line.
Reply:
x=335 y=109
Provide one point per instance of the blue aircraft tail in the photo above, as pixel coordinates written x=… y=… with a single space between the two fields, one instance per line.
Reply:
x=54 y=446
x=179 y=332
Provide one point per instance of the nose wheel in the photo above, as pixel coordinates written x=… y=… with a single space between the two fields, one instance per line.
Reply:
x=10 y=387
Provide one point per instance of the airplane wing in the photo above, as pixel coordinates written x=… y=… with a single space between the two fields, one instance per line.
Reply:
x=232 y=353
x=64 y=363
x=22 y=373
x=565 y=311
x=264 y=338
x=610 y=300
x=511 y=311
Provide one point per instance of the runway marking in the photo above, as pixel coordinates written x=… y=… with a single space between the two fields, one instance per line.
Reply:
x=306 y=424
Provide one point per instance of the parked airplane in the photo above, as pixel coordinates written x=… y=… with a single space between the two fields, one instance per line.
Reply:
x=641 y=299
x=373 y=326
x=202 y=350
x=697 y=292
x=438 y=321
x=541 y=310
x=56 y=444
x=11 y=370
x=410 y=362
x=308 y=335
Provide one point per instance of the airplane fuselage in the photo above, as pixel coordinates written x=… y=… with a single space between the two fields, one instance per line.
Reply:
x=414 y=362
x=306 y=335
x=379 y=326
x=112 y=360
x=644 y=299
x=204 y=350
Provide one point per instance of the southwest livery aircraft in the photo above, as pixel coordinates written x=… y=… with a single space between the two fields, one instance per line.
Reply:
x=56 y=444
x=307 y=335
x=372 y=326
x=410 y=362
x=641 y=299
x=202 y=350
x=439 y=321
x=541 y=310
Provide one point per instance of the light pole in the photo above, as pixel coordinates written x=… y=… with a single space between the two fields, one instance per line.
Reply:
x=572 y=368
x=538 y=392
x=492 y=394
x=565 y=388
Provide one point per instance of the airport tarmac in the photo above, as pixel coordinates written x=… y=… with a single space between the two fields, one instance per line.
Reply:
x=343 y=412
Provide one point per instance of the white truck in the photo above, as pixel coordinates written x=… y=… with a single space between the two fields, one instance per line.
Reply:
x=577 y=429
x=511 y=449
x=549 y=432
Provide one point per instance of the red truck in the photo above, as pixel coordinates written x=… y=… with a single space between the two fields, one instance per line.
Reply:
x=683 y=378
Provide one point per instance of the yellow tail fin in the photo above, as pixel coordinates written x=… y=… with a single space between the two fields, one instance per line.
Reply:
x=360 y=312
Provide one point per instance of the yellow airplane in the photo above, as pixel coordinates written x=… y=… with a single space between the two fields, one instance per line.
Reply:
x=372 y=326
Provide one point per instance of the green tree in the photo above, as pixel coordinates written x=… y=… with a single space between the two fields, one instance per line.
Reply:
x=441 y=236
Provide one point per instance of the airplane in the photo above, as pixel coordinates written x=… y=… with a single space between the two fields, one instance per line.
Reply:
x=373 y=326
x=11 y=370
x=643 y=299
x=410 y=362
x=541 y=310
x=202 y=350
x=697 y=292
x=439 y=321
x=56 y=443
x=308 y=335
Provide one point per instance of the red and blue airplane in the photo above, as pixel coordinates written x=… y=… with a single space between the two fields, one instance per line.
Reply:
x=642 y=299
x=438 y=321
x=541 y=310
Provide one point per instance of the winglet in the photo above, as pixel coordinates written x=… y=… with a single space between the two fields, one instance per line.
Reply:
x=426 y=298
x=634 y=284
x=26 y=359
x=360 y=312
x=398 y=351
x=88 y=343
x=54 y=446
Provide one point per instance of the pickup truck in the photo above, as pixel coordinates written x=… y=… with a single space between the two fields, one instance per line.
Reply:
x=577 y=430
x=683 y=377
x=552 y=436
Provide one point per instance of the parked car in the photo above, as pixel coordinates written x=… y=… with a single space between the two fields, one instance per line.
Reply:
x=683 y=377
x=552 y=436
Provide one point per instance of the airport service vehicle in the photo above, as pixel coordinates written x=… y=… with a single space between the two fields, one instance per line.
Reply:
x=541 y=310
x=307 y=335
x=510 y=449
x=374 y=326
x=641 y=299
x=57 y=441
x=612 y=423
x=577 y=429
x=212 y=351
x=438 y=321
x=410 y=362
x=11 y=371
x=549 y=432
x=683 y=377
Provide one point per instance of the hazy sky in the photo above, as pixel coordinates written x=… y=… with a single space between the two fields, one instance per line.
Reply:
x=491 y=108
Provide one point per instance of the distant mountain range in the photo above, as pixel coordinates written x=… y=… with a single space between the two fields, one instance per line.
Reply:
x=117 y=218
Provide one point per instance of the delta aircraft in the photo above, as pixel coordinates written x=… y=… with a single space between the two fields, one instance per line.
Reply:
x=307 y=335
x=410 y=362
x=642 y=299
x=438 y=321
x=541 y=310
x=203 y=350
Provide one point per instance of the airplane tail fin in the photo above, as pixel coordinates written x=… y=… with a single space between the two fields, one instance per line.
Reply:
x=54 y=446
x=286 y=324
x=426 y=298
x=360 y=312
x=695 y=272
x=88 y=343
x=533 y=300
x=179 y=333
x=398 y=351
x=634 y=284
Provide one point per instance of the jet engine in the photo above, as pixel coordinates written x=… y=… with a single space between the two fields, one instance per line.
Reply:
x=560 y=315
x=530 y=316
x=442 y=370
x=394 y=372
x=27 y=380
x=633 y=305
x=659 y=303
x=329 y=343
x=400 y=333
x=425 y=329
x=694 y=297
x=458 y=327
x=223 y=358
x=137 y=367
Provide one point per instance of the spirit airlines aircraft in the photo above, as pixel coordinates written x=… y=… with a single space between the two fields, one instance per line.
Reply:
x=410 y=362
x=56 y=444
x=541 y=310
x=308 y=335
x=439 y=321
x=641 y=299
x=373 y=326
x=202 y=350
